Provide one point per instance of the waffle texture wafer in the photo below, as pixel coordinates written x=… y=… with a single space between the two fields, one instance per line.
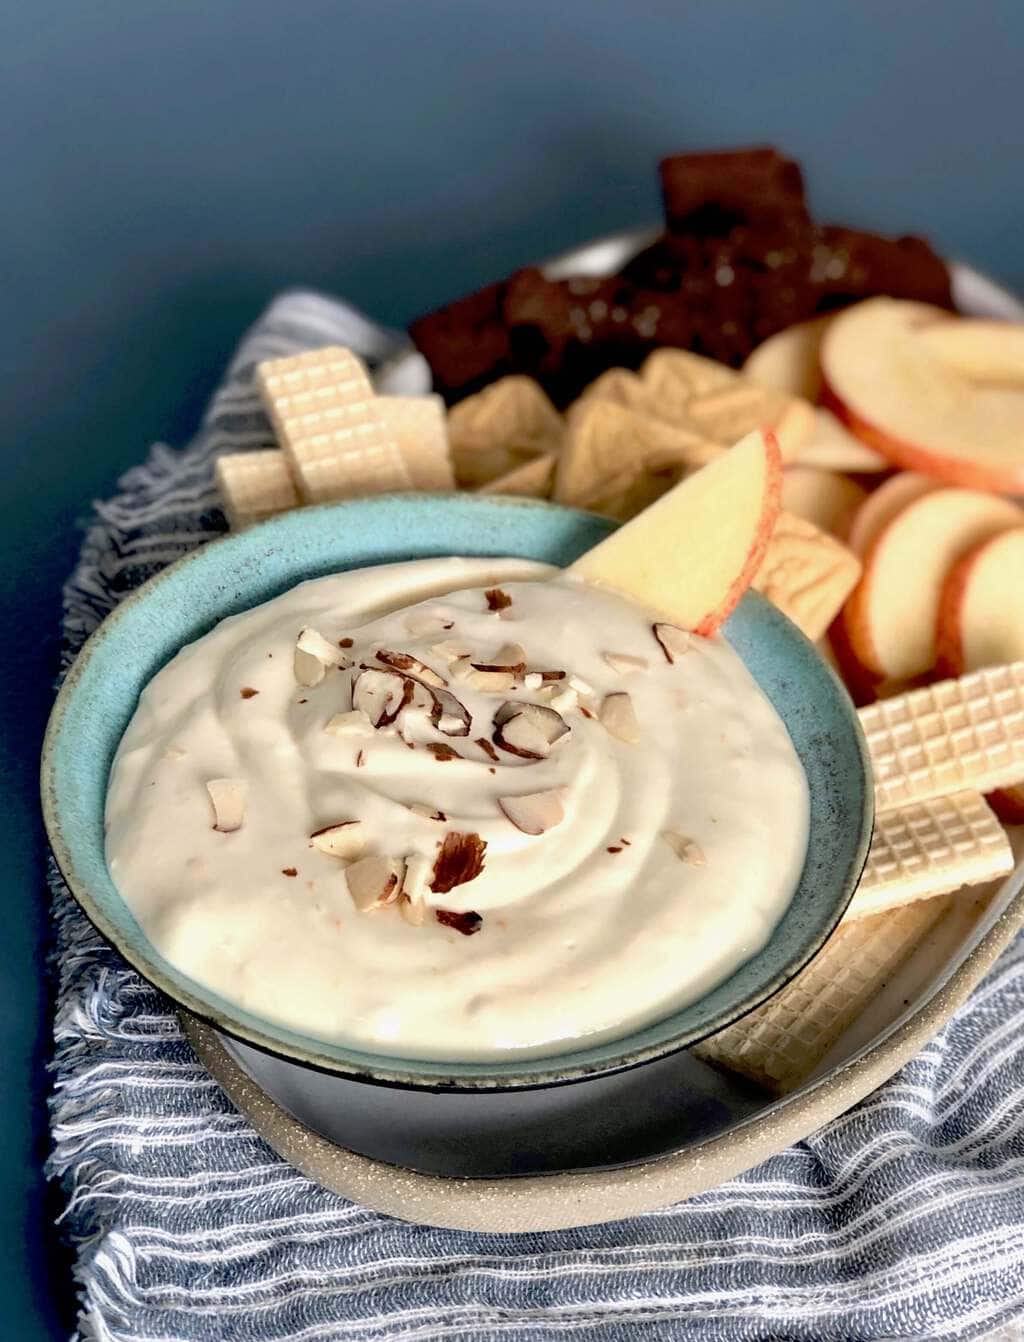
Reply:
x=255 y=485
x=957 y=734
x=929 y=848
x=500 y=427
x=718 y=405
x=531 y=480
x=781 y=1043
x=420 y=429
x=807 y=574
x=329 y=425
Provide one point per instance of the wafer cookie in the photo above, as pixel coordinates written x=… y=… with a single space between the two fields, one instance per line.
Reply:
x=781 y=1043
x=500 y=427
x=722 y=406
x=420 y=429
x=807 y=574
x=255 y=485
x=329 y=425
x=929 y=848
x=530 y=480
x=956 y=734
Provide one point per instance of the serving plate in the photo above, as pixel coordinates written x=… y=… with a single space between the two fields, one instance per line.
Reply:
x=662 y=1146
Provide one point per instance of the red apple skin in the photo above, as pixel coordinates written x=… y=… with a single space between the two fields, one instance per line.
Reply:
x=950 y=470
x=714 y=620
x=950 y=660
x=861 y=682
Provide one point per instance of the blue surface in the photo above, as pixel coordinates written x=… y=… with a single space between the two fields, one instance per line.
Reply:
x=186 y=601
x=167 y=166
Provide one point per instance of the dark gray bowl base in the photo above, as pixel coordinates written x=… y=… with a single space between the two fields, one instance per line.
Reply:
x=607 y=1121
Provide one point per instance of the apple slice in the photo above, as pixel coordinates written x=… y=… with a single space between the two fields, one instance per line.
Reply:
x=981 y=610
x=827 y=499
x=881 y=506
x=694 y=552
x=789 y=360
x=832 y=447
x=891 y=616
x=929 y=399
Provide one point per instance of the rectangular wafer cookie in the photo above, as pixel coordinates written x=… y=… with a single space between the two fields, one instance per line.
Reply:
x=255 y=485
x=329 y=425
x=420 y=428
x=780 y=1044
x=957 y=734
x=929 y=848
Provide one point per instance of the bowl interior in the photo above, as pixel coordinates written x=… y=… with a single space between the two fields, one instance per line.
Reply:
x=185 y=601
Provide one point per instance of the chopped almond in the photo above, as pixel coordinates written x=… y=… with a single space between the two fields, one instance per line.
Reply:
x=497 y=599
x=673 y=641
x=618 y=717
x=534 y=813
x=342 y=724
x=528 y=730
x=448 y=714
x=467 y=923
x=227 y=796
x=685 y=849
x=381 y=695
x=428 y=812
x=406 y=662
x=624 y=663
x=346 y=839
x=313 y=655
x=412 y=904
x=419 y=622
x=459 y=861
x=373 y=882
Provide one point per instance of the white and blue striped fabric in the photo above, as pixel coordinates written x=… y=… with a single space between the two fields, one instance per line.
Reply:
x=902 y=1219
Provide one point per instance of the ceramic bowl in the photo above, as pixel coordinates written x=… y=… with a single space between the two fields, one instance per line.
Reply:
x=232 y=575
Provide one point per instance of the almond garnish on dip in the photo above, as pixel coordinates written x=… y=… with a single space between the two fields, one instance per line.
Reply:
x=313 y=655
x=228 y=797
x=373 y=882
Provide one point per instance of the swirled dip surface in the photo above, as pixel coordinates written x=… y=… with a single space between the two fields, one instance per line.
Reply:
x=668 y=859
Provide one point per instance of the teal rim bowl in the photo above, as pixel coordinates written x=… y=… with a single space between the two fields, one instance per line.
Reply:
x=186 y=600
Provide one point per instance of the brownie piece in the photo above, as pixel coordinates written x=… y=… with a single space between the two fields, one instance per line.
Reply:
x=465 y=342
x=848 y=265
x=565 y=333
x=708 y=195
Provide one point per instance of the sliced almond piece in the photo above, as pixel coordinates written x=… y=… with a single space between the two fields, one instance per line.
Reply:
x=410 y=665
x=450 y=650
x=685 y=849
x=533 y=680
x=373 y=882
x=534 y=813
x=381 y=695
x=228 y=796
x=343 y=724
x=448 y=714
x=459 y=861
x=412 y=904
x=528 y=730
x=624 y=663
x=673 y=641
x=346 y=839
x=564 y=701
x=428 y=812
x=617 y=716
x=486 y=679
x=427 y=621
x=313 y=655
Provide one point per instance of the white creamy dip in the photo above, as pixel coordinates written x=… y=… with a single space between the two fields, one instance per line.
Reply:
x=668 y=852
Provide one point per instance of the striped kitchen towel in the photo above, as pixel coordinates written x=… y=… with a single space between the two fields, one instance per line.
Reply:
x=902 y=1219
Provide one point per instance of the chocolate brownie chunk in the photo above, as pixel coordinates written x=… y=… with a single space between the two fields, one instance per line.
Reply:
x=708 y=195
x=465 y=342
x=847 y=265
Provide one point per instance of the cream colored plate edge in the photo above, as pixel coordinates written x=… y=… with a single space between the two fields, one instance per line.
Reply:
x=935 y=981
x=988 y=923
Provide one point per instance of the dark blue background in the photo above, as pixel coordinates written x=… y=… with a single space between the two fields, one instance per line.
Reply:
x=168 y=164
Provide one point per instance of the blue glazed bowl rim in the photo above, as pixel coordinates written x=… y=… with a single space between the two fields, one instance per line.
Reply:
x=615 y=1055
